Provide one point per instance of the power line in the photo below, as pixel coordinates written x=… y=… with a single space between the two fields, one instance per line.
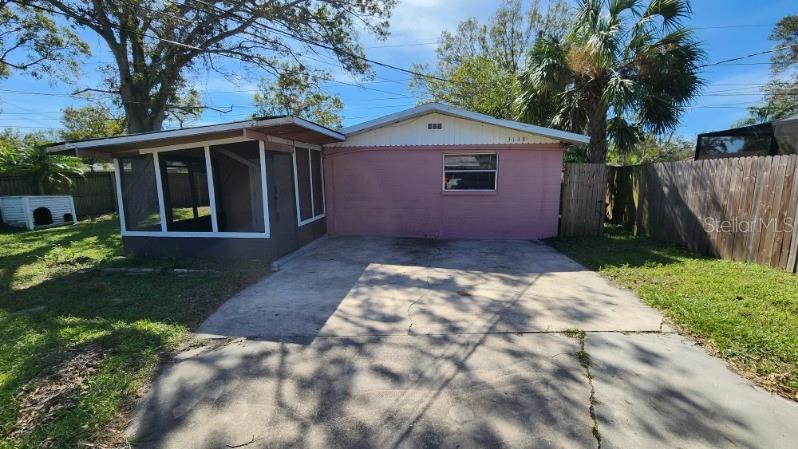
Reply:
x=720 y=27
x=415 y=44
x=759 y=53
x=307 y=41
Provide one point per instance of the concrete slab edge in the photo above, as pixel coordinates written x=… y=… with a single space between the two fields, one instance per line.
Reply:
x=281 y=262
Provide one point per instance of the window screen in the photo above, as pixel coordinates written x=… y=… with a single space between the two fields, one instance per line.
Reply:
x=470 y=171
x=310 y=185
x=185 y=190
x=139 y=193
x=237 y=187
x=303 y=183
x=318 y=183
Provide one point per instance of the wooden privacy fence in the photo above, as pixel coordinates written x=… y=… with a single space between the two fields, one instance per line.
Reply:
x=94 y=194
x=582 y=201
x=737 y=208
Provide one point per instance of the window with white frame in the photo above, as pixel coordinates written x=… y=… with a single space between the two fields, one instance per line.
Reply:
x=213 y=190
x=309 y=183
x=470 y=172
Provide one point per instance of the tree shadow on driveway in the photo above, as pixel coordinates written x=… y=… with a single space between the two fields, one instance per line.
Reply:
x=393 y=343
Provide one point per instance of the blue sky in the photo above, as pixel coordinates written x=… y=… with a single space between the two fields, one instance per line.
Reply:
x=727 y=29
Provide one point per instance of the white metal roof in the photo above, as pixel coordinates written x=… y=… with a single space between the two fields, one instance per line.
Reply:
x=195 y=131
x=468 y=115
x=787 y=119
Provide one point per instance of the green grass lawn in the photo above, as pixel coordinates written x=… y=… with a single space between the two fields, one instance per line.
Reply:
x=745 y=313
x=78 y=341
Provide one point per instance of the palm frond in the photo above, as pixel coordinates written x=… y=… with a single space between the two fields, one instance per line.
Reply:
x=670 y=11
x=624 y=134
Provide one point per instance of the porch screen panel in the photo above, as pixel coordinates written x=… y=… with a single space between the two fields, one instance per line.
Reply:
x=303 y=183
x=318 y=185
x=237 y=185
x=185 y=190
x=139 y=193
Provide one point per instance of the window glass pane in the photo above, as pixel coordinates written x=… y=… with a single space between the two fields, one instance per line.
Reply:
x=786 y=133
x=470 y=161
x=237 y=186
x=465 y=180
x=185 y=190
x=318 y=186
x=734 y=145
x=139 y=193
x=303 y=182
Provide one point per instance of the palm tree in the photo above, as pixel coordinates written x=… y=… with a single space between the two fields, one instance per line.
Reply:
x=46 y=171
x=623 y=70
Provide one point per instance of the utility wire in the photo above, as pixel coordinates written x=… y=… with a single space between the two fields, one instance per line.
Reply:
x=759 y=53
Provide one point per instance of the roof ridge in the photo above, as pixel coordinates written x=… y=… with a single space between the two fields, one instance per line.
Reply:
x=446 y=109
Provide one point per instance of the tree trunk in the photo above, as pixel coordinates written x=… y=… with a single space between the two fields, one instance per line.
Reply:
x=597 y=129
x=139 y=110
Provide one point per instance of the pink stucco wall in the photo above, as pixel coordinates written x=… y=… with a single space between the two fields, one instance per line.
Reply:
x=397 y=191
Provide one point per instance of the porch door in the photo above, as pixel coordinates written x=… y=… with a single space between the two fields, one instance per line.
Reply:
x=282 y=205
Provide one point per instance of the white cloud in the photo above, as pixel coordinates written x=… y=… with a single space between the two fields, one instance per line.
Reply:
x=416 y=21
x=213 y=82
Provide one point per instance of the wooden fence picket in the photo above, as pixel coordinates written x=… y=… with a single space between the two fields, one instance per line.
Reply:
x=736 y=208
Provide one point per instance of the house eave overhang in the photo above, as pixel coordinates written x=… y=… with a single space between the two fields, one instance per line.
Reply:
x=285 y=127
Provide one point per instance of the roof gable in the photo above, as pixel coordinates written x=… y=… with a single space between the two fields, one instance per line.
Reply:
x=552 y=135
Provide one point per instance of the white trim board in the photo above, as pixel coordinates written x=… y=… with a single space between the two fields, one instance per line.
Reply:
x=237 y=235
x=264 y=188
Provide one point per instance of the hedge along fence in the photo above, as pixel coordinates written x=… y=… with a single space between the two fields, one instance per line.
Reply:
x=737 y=208
x=94 y=193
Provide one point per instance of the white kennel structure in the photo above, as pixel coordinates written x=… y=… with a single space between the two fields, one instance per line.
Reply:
x=37 y=211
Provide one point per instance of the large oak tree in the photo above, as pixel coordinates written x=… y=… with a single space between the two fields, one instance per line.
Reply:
x=155 y=44
x=32 y=42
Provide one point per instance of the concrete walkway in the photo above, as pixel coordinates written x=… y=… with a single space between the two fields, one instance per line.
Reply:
x=401 y=343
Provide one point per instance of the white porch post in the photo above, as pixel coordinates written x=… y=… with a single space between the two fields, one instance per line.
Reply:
x=118 y=173
x=296 y=188
x=211 y=191
x=264 y=187
x=159 y=189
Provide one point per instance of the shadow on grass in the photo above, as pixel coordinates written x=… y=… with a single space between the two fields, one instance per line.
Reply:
x=64 y=304
x=21 y=248
x=617 y=247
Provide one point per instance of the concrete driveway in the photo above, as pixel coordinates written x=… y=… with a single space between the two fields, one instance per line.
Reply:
x=403 y=343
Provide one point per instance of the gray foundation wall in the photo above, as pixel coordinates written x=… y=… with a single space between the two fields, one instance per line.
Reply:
x=265 y=250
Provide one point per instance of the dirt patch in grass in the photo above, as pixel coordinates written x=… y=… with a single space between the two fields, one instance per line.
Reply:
x=42 y=398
